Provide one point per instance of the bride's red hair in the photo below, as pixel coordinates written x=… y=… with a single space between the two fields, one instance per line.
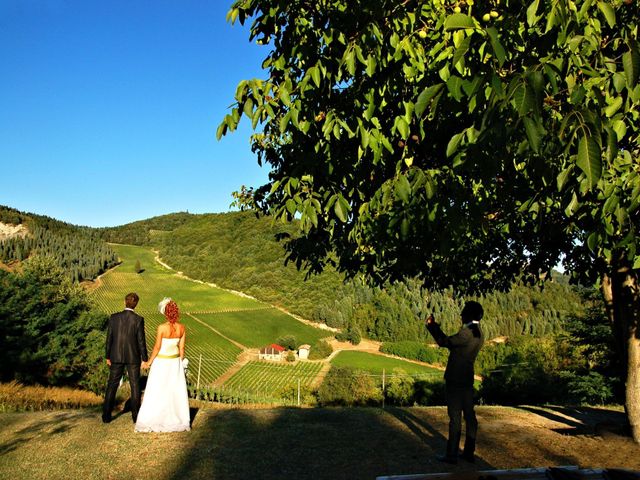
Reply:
x=171 y=312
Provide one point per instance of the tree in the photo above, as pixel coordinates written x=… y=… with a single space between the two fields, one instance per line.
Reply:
x=464 y=144
x=50 y=333
x=243 y=199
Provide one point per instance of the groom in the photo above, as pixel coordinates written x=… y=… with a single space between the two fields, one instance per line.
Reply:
x=126 y=348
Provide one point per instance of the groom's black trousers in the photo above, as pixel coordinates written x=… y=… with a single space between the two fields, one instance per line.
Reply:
x=460 y=403
x=115 y=374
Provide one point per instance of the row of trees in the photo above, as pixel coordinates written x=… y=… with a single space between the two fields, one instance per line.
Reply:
x=79 y=251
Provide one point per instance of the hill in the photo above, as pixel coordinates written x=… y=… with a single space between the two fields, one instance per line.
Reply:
x=238 y=251
x=80 y=251
x=305 y=443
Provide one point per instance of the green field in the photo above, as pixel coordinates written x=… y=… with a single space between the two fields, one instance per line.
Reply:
x=376 y=364
x=261 y=327
x=269 y=378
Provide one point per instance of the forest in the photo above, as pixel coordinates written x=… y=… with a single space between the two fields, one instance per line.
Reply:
x=79 y=251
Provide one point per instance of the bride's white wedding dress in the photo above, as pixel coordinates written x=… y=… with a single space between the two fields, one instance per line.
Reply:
x=165 y=405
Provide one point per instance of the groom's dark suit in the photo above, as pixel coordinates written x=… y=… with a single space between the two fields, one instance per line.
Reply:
x=126 y=347
x=459 y=376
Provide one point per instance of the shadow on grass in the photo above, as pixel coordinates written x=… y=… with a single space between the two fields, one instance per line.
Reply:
x=58 y=423
x=584 y=420
x=313 y=443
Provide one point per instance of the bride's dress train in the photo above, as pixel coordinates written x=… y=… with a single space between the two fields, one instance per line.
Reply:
x=165 y=405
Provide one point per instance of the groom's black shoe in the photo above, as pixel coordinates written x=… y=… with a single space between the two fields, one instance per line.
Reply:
x=106 y=419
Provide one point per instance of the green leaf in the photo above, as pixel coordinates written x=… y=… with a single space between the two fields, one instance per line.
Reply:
x=563 y=176
x=222 y=130
x=619 y=81
x=636 y=263
x=351 y=62
x=611 y=110
x=341 y=208
x=371 y=65
x=631 y=64
x=592 y=241
x=452 y=146
x=461 y=50
x=291 y=206
x=552 y=19
x=454 y=85
x=524 y=99
x=364 y=137
x=608 y=12
x=612 y=144
x=620 y=128
x=404 y=228
x=532 y=18
x=248 y=108
x=312 y=215
x=315 y=75
x=284 y=95
x=498 y=49
x=533 y=133
x=403 y=188
x=284 y=121
x=458 y=21
x=424 y=99
x=589 y=160
x=403 y=127
x=573 y=206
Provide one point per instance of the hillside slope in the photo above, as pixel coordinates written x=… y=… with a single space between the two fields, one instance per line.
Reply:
x=238 y=251
x=78 y=250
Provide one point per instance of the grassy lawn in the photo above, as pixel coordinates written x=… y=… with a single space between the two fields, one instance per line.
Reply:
x=288 y=443
x=377 y=363
x=258 y=328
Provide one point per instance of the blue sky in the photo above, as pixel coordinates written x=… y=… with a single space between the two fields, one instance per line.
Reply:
x=109 y=109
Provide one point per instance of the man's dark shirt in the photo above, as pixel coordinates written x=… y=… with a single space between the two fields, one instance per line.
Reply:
x=464 y=347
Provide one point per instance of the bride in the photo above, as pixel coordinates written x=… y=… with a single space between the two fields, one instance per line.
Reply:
x=165 y=406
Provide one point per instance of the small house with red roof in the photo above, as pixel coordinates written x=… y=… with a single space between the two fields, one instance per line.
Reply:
x=272 y=352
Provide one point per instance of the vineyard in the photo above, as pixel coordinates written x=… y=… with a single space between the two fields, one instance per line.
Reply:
x=223 y=328
x=262 y=327
x=205 y=311
x=263 y=378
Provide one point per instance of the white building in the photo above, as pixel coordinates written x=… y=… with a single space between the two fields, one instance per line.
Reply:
x=303 y=351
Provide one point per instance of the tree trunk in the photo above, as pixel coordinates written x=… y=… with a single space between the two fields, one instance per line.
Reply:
x=622 y=298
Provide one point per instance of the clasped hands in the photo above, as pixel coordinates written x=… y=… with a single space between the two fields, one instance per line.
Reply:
x=145 y=365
